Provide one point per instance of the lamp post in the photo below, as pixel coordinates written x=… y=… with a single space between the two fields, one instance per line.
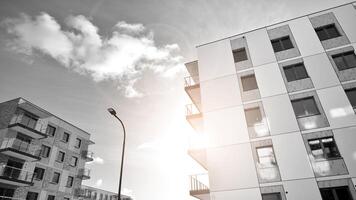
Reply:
x=113 y=113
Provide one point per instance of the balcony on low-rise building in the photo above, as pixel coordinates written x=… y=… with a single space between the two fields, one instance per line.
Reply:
x=15 y=176
x=194 y=117
x=28 y=125
x=88 y=156
x=23 y=150
x=199 y=186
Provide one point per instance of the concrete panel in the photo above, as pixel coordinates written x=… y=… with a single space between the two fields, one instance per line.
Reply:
x=226 y=126
x=220 y=93
x=215 y=60
x=269 y=80
x=305 y=37
x=337 y=107
x=260 y=47
x=293 y=162
x=317 y=64
x=346 y=15
x=250 y=194
x=231 y=167
x=306 y=189
x=346 y=139
x=280 y=114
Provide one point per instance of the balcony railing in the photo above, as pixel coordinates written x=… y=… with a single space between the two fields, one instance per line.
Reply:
x=88 y=156
x=197 y=185
x=28 y=123
x=191 y=109
x=191 y=81
x=85 y=193
x=16 y=174
x=21 y=146
x=84 y=173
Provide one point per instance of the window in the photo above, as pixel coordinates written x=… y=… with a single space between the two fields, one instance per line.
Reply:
x=249 y=82
x=239 y=55
x=272 y=196
x=345 y=60
x=327 y=32
x=305 y=107
x=295 y=72
x=70 y=181
x=282 y=44
x=336 y=193
x=266 y=156
x=324 y=148
x=78 y=143
x=31 y=196
x=351 y=95
x=74 y=161
x=38 y=173
x=50 y=130
x=45 y=151
x=65 y=137
x=55 y=177
x=253 y=116
x=50 y=197
x=60 y=156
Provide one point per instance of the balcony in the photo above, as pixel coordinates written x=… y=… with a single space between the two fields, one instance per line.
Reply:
x=84 y=173
x=20 y=149
x=192 y=88
x=199 y=155
x=84 y=193
x=21 y=123
x=198 y=189
x=15 y=176
x=88 y=156
x=194 y=117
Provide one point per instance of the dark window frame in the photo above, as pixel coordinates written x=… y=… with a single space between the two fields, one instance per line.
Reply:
x=246 y=88
x=334 y=192
x=273 y=193
x=239 y=55
x=342 y=56
x=60 y=159
x=70 y=181
x=39 y=173
x=31 y=195
x=253 y=109
x=294 y=71
x=47 y=149
x=347 y=91
x=51 y=197
x=304 y=107
x=325 y=30
x=281 y=45
x=76 y=161
x=55 y=178
x=323 y=148
x=78 y=144
x=53 y=129
x=65 y=137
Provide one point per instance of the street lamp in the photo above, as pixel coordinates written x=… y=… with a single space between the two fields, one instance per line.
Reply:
x=113 y=113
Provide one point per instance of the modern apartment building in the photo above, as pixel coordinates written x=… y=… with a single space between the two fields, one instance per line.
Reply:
x=41 y=156
x=277 y=106
x=92 y=193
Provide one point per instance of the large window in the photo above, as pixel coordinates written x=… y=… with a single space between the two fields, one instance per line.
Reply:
x=295 y=72
x=51 y=130
x=60 y=156
x=266 y=156
x=38 y=173
x=50 y=197
x=239 y=55
x=327 y=32
x=31 y=196
x=45 y=151
x=70 y=181
x=336 y=193
x=324 y=148
x=351 y=95
x=272 y=196
x=305 y=107
x=253 y=116
x=345 y=60
x=249 y=82
x=55 y=177
x=282 y=44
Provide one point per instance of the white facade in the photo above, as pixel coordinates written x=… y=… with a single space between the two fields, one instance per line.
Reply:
x=277 y=106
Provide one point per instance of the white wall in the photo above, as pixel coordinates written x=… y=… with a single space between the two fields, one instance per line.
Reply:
x=346 y=16
x=292 y=157
x=215 y=60
x=220 y=93
x=337 y=107
x=345 y=139
x=260 y=47
x=305 y=189
x=226 y=126
x=280 y=114
x=244 y=194
x=305 y=37
x=269 y=80
x=231 y=167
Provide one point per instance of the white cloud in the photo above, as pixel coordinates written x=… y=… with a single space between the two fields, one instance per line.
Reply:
x=99 y=182
x=122 y=56
x=128 y=192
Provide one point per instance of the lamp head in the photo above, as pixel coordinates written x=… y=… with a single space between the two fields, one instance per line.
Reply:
x=112 y=111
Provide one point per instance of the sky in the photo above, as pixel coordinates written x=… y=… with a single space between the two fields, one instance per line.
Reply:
x=76 y=58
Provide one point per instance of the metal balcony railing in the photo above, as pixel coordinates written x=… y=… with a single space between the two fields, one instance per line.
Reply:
x=191 y=109
x=84 y=173
x=191 y=81
x=16 y=173
x=28 y=122
x=21 y=146
x=88 y=155
x=197 y=185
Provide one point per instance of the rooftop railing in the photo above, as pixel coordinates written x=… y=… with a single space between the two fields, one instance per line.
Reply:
x=16 y=173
